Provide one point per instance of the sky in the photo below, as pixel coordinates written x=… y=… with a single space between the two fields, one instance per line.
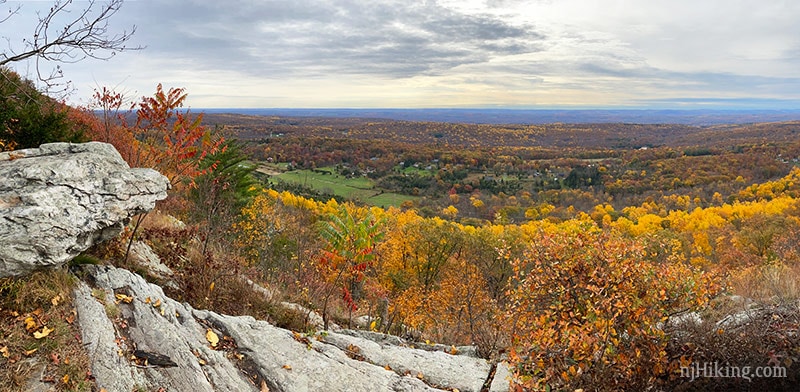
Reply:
x=691 y=54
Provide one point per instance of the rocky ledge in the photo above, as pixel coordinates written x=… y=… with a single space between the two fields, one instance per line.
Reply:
x=59 y=199
x=139 y=338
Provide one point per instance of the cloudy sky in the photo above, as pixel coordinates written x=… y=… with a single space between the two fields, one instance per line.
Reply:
x=450 y=53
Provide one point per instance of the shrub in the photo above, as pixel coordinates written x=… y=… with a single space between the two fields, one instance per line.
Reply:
x=585 y=310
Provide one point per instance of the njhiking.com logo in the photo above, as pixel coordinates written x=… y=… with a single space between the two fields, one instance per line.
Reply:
x=715 y=370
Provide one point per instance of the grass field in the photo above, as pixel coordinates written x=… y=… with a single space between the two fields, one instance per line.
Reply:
x=359 y=188
x=390 y=199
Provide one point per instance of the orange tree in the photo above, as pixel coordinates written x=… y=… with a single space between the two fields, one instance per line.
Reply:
x=415 y=256
x=171 y=142
x=586 y=307
x=174 y=142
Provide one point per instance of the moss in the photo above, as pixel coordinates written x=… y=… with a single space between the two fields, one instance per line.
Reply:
x=112 y=310
x=84 y=258
x=100 y=294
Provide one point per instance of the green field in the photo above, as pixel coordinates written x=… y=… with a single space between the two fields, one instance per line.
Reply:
x=390 y=199
x=358 y=188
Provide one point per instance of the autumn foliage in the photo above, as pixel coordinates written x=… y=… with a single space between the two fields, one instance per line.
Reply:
x=573 y=291
x=350 y=235
x=174 y=142
x=577 y=303
x=586 y=308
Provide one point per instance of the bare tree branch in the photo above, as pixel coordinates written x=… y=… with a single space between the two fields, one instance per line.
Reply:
x=11 y=12
x=86 y=35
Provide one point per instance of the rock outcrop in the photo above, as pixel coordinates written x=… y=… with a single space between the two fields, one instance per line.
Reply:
x=125 y=320
x=59 y=199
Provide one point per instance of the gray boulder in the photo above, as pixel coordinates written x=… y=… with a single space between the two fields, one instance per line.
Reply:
x=59 y=199
x=502 y=378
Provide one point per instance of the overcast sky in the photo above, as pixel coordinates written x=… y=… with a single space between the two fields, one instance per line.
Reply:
x=451 y=53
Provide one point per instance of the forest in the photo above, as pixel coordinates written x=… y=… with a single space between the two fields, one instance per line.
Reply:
x=587 y=256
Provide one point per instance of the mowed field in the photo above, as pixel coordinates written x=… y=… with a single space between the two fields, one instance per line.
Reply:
x=360 y=189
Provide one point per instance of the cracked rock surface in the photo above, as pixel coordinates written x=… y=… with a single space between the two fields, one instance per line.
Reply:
x=437 y=368
x=59 y=199
x=250 y=355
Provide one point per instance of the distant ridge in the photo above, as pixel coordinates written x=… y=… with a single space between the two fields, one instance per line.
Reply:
x=521 y=116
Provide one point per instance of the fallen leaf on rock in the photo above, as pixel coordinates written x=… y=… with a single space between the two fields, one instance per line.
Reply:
x=212 y=337
x=123 y=298
x=287 y=367
x=301 y=338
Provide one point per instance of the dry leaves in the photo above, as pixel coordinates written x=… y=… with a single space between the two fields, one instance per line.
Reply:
x=123 y=298
x=43 y=333
x=212 y=338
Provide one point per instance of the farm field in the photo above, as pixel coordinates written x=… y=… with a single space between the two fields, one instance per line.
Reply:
x=325 y=180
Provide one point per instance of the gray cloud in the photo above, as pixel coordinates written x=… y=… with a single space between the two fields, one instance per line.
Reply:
x=448 y=52
x=700 y=81
x=318 y=38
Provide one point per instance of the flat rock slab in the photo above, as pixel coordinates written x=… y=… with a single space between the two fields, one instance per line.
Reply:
x=443 y=370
